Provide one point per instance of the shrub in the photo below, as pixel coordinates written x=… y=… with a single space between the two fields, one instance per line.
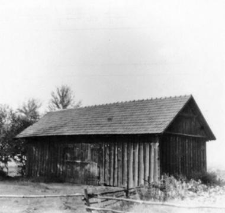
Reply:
x=204 y=187
x=208 y=178
x=168 y=188
x=3 y=174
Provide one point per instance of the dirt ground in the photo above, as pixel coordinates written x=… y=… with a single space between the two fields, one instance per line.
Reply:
x=42 y=205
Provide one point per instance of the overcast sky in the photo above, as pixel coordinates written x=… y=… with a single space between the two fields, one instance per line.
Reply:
x=110 y=51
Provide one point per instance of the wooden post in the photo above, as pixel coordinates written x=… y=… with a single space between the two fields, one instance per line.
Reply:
x=89 y=152
x=146 y=161
x=125 y=165
x=86 y=198
x=205 y=161
x=136 y=165
x=127 y=192
x=152 y=163
x=128 y=165
x=120 y=159
x=131 y=164
x=115 y=165
x=106 y=180
x=102 y=179
x=111 y=163
x=156 y=163
x=141 y=165
x=27 y=174
x=159 y=158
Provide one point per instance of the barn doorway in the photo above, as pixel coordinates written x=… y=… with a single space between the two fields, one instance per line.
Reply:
x=78 y=166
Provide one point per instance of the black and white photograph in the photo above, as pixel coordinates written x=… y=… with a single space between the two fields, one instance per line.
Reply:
x=112 y=106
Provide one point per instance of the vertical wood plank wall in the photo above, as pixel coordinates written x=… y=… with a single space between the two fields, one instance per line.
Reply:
x=121 y=161
x=132 y=163
x=183 y=155
x=115 y=161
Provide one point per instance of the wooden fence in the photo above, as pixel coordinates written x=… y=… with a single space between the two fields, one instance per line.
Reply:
x=124 y=196
x=99 y=201
x=104 y=201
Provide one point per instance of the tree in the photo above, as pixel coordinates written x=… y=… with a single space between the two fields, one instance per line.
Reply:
x=26 y=115
x=12 y=123
x=6 y=115
x=18 y=147
x=62 y=98
x=30 y=110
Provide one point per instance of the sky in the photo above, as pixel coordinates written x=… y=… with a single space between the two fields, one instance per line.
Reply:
x=116 y=50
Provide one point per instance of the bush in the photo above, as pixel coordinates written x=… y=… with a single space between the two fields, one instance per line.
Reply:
x=208 y=178
x=204 y=186
x=3 y=174
x=168 y=188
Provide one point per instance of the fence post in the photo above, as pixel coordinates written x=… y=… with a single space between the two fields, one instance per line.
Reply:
x=127 y=192
x=86 y=198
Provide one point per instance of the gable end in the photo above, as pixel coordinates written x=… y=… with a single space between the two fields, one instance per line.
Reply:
x=190 y=121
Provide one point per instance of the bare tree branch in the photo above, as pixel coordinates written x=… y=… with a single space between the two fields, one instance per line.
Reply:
x=63 y=98
x=29 y=110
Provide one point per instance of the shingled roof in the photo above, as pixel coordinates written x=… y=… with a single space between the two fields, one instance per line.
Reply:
x=133 y=117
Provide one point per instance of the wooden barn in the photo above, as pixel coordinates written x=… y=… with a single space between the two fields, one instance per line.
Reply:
x=119 y=144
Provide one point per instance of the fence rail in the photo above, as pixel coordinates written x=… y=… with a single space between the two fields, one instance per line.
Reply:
x=89 y=208
x=162 y=203
x=114 y=197
x=104 y=209
x=40 y=196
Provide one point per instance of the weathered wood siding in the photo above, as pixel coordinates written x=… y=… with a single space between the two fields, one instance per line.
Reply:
x=182 y=155
x=128 y=162
x=110 y=160
x=49 y=157
x=183 y=146
x=187 y=122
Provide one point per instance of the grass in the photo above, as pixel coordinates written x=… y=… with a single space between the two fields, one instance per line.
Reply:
x=205 y=189
x=163 y=209
x=38 y=205
x=24 y=186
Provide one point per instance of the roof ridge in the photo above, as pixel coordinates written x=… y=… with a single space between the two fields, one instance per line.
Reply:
x=123 y=102
x=137 y=100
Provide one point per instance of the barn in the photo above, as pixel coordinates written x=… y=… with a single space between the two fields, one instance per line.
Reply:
x=119 y=144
